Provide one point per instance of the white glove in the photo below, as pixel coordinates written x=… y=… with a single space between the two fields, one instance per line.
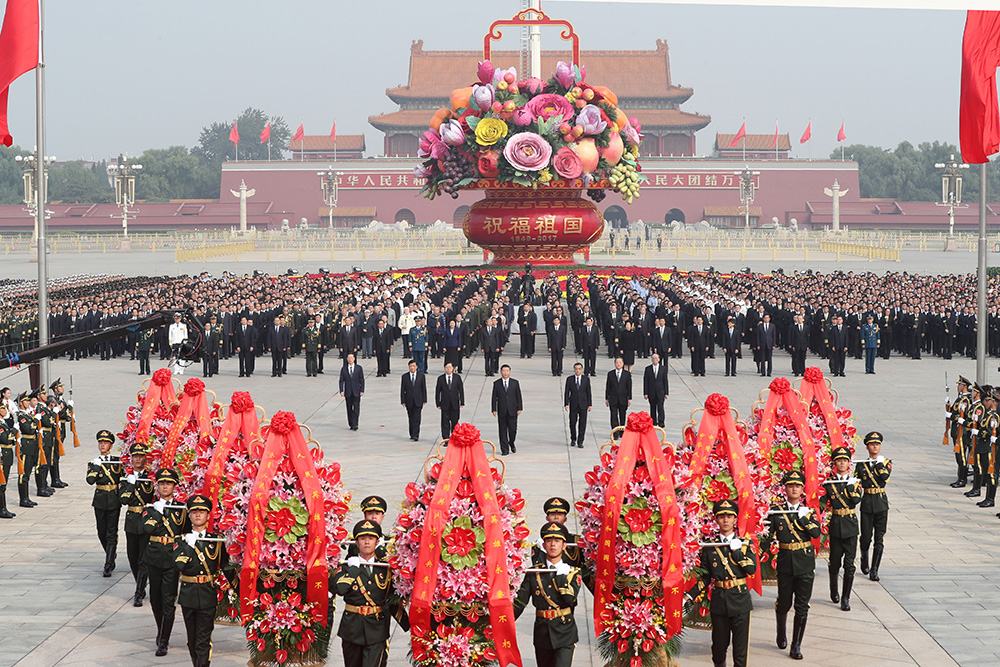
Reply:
x=947 y=415
x=540 y=543
x=961 y=420
x=736 y=544
x=131 y=478
x=70 y=402
x=160 y=505
x=96 y=462
x=853 y=480
x=354 y=561
x=562 y=568
x=803 y=511
x=975 y=431
x=993 y=439
x=191 y=538
x=880 y=459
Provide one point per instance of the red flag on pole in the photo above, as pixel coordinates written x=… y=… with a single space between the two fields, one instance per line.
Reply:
x=739 y=135
x=333 y=132
x=299 y=134
x=265 y=134
x=234 y=134
x=807 y=135
x=774 y=142
x=978 y=115
x=18 y=52
x=840 y=135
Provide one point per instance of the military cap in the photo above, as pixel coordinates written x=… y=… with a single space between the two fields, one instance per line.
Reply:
x=138 y=449
x=726 y=506
x=554 y=529
x=976 y=388
x=167 y=475
x=37 y=392
x=963 y=380
x=367 y=527
x=374 y=504
x=23 y=396
x=874 y=436
x=199 y=502
x=986 y=392
x=840 y=453
x=556 y=504
x=795 y=477
x=57 y=383
x=104 y=435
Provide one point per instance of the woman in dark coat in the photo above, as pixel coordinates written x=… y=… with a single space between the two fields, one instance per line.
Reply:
x=628 y=342
x=452 y=345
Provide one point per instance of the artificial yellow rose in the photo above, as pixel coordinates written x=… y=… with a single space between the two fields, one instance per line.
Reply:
x=490 y=130
x=544 y=176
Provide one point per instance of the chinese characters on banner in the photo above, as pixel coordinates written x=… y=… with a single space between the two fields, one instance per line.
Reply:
x=657 y=180
x=540 y=228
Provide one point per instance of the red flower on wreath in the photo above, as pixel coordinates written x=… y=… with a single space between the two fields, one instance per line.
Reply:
x=639 y=520
x=813 y=374
x=464 y=435
x=241 y=402
x=780 y=386
x=718 y=490
x=717 y=405
x=460 y=541
x=283 y=422
x=639 y=422
x=786 y=458
x=194 y=387
x=281 y=521
x=161 y=377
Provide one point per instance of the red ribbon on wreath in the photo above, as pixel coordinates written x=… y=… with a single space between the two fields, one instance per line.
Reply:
x=466 y=456
x=641 y=440
x=285 y=438
x=240 y=420
x=717 y=424
x=161 y=390
x=194 y=403
x=814 y=389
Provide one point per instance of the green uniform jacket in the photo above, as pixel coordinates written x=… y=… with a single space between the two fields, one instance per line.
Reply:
x=311 y=339
x=972 y=416
x=791 y=529
x=548 y=592
x=106 y=475
x=874 y=476
x=843 y=497
x=47 y=419
x=171 y=524
x=726 y=564
x=204 y=558
x=144 y=340
x=136 y=497
x=361 y=589
x=29 y=433
x=959 y=408
x=987 y=425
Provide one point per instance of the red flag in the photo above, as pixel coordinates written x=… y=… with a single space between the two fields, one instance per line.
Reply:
x=742 y=134
x=18 y=52
x=807 y=135
x=840 y=135
x=978 y=115
x=265 y=134
x=299 y=134
x=234 y=134
x=774 y=142
x=333 y=132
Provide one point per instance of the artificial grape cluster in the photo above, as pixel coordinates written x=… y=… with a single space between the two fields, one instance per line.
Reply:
x=625 y=180
x=597 y=194
x=456 y=167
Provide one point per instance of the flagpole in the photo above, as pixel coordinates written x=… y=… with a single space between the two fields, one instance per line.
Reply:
x=334 y=139
x=41 y=194
x=775 y=139
x=842 y=141
x=744 y=140
x=268 y=146
x=810 y=142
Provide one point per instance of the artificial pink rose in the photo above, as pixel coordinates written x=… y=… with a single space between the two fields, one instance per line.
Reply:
x=532 y=85
x=521 y=117
x=527 y=151
x=567 y=163
x=548 y=105
x=487 y=164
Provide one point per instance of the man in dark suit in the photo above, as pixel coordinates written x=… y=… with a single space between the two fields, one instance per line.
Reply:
x=655 y=389
x=661 y=337
x=491 y=340
x=591 y=340
x=449 y=397
x=766 y=342
x=246 y=340
x=555 y=334
x=507 y=406
x=577 y=400
x=798 y=341
x=618 y=394
x=527 y=324
x=382 y=344
x=698 y=342
x=730 y=338
x=279 y=339
x=352 y=388
x=348 y=338
x=413 y=397
x=837 y=346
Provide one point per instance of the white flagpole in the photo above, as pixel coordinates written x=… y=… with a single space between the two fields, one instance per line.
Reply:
x=40 y=196
x=744 y=139
x=775 y=139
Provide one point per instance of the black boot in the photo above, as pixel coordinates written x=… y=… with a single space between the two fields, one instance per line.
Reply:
x=876 y=561
x=845 y=598
x=4 y=512
x=798 y=630
x=140 y=588
x=163 y=643
x=834 y=589
x=56 y=478
x=22 y=491
x=109 y=559
x=864 y=561
x=781 y=639
x=40 y=488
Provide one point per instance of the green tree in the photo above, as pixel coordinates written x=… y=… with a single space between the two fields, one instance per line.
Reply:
x=214 y=146
x=79 y=182
x=11 y=175
x=173 y=173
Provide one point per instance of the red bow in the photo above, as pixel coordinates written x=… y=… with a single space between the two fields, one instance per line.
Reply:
x=239 y=421
x=161 y=390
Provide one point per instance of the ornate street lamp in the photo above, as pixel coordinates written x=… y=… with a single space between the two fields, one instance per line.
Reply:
x=122 y=177
x=747 y=188
x=330 y=184
x=951 y=189
x=28 y=164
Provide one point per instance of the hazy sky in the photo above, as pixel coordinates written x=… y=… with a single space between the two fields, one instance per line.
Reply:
x=126 y=76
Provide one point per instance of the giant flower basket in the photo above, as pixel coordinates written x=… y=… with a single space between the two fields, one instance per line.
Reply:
x=722 y=462
x=634 y=534
x=533 y=146
x=284 y=517
x=460 y=556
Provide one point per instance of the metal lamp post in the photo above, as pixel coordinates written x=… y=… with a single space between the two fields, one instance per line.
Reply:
x=951 y=189
x=330 y=184
x=747 y=188
x=122 y=177
x=29 y=165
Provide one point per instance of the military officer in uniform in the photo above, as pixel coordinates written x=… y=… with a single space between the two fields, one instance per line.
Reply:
x=843 y=493
x=728 y=566
x=794 y=526
x=8 y=445
x=27 y=424
x=874 y=475
x=554 y=596
x=312 y=344
x=986 y=439
x=970 y=430
x=200 y=557
x=164 y=521
x=956 y=417
x=557 y=511
x=374 y=508
x=64 y=416
x=136 y=490
x=143 y=346
x=47 y=441
x=367 y=590
x=870 y=341
x=104 y=473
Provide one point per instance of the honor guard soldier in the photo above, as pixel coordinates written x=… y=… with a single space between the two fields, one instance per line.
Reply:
x=64 y=416
x=200 y=557
x=104 y=473
x=366 y=587
x=794 y=526
x=728 y=565
x=136 y=490
x=554 y=595
x=874 y=474
x=49 y=422
x=956 y=420
x=164 y=520
x=8 y=447
x=972 y=418
x=30 y=447
x=843 y=493
x=556 y=511
x=986 y=442
x=374 y=508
